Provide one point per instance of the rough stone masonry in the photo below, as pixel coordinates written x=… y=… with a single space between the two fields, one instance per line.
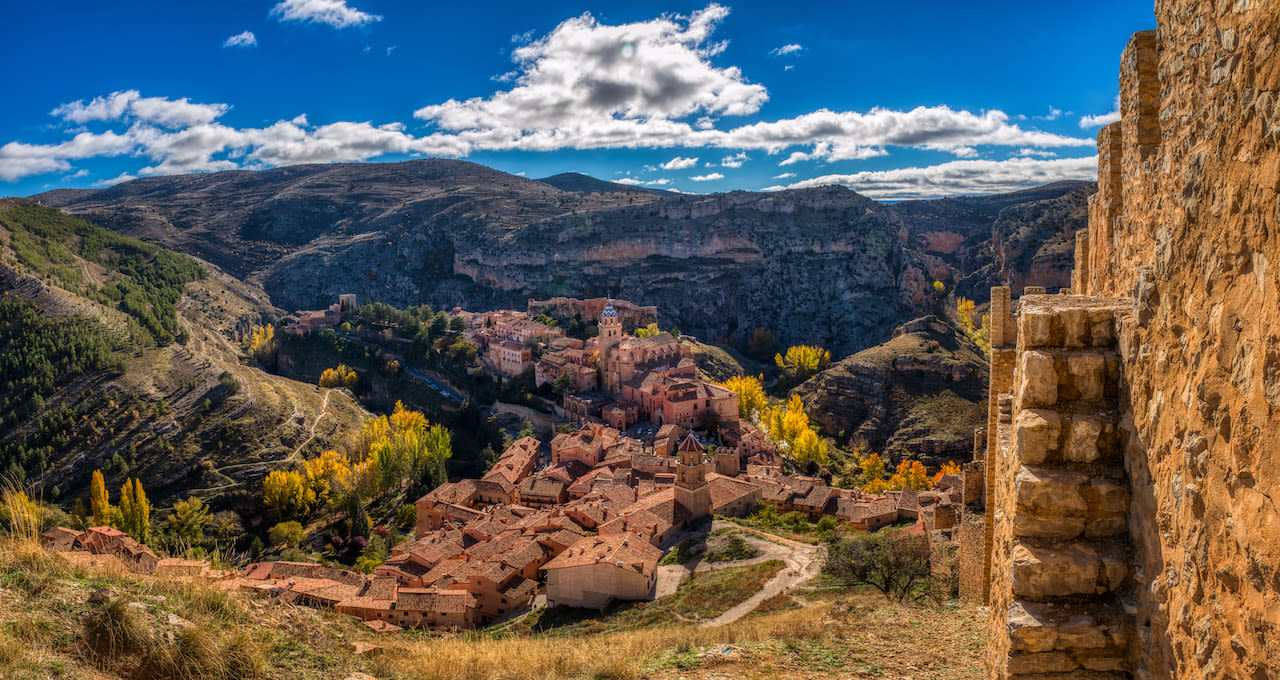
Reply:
x=1132 y=456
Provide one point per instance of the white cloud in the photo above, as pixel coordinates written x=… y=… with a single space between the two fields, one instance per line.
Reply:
x=391 y=49
x=785 y=49
x=707 y=178
x=1087 y=122
x=132 y=106
x=958 y=178
x=785 y=175
x=788 y=67
x=1038 y=153
x=122 y=177
x=246 y=39
x=594 y=81
x=334 y=13
x=585 y=85
x=661 y=181
x=679 y=163
x=735 y=161
x=1054 y=114
x=629 y=181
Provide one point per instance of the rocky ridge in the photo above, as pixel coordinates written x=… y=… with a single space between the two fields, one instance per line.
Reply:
x=821 y=265
x=919 y=395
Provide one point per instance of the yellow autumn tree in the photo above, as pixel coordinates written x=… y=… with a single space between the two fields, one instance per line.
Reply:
x=751 y=397
x=873 y=473
x=286 y=495
x=948 y=468
x=789 y=427
x=405 y=447
x=135 y=511
x=910 y=475
x=646 y=331
x=802 y=361
x=99 y=504
x=980 y=333
x=262 y=342
x=324 y=471
x=342 y=376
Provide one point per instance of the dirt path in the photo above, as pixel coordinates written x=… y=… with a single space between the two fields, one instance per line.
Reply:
x=803 y=562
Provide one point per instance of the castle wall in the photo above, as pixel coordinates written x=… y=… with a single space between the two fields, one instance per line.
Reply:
x=1184 y=224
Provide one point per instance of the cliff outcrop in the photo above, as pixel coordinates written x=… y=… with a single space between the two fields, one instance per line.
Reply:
x=920 y=395
x=821 y=265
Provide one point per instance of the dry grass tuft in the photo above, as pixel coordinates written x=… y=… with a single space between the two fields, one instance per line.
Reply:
x=193 y=655
x=113 y=629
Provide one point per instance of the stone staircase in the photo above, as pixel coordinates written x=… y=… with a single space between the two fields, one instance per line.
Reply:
x=1062 y=554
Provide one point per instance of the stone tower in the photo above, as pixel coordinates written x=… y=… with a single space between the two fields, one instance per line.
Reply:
x=610 y=334
x=692 y=491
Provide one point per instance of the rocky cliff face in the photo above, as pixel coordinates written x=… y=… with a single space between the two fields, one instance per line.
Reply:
x=1185 y=221
x=1025 y=238
x=920 y=395
x=820 y=265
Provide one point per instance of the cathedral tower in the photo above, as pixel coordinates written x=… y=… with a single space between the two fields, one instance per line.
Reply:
x=610 y=335
x=692 y=492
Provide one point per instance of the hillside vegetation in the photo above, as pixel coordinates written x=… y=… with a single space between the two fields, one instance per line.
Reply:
x=121 y=356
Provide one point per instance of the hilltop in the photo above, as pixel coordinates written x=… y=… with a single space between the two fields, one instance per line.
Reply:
x=822 y=265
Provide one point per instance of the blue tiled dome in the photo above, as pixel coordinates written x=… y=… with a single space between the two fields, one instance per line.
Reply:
x=609 y=311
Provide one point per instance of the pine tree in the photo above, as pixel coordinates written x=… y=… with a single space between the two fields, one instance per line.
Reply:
x=359 y=518
x=100 y=506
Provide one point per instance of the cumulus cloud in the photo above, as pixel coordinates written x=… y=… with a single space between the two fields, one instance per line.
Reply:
x=785 y=175
x=629 y=181
x=585 y=85
x=1038 y=153
x=679 y=163
x=785 y=49
x=707 y=178
x=130 y=105
x=333 y=13
x=245 y=39
x=600 y=82
x=958 y=178
x=1087 y=122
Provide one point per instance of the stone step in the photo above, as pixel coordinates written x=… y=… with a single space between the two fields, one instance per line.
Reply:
x=1044 y=572
x=1073 y=640
x=1064 y=504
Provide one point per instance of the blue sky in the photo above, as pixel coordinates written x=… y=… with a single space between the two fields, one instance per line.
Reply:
x=892 y=99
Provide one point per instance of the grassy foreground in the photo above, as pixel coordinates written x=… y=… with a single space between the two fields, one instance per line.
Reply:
x=61 y=621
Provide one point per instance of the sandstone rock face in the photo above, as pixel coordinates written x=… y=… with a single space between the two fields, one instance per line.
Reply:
x=920 y=395
x=820 y=265
x=1185 y=221
x=1017 y=239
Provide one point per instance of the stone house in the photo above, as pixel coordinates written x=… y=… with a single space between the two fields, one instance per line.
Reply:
x=599 y=569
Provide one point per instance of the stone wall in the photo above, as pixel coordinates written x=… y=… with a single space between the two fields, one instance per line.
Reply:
x=1184 y=224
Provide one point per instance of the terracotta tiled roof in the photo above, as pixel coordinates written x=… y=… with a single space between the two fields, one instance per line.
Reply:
x=624 y=550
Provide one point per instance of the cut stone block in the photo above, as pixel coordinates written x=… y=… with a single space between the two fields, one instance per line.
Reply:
x=1088 y=372
x=1039 y=380
x=1072 y=569
x=1036 y=434
x=1037 y=328
x=1082 y=439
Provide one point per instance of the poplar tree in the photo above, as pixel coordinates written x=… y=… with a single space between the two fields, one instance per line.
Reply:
x=99 y=505
x=135 y=511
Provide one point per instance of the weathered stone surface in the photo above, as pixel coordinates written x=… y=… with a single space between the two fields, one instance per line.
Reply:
x=1050 y=491
x=1082 y=439
x=1066 y=569
x=1088 y=370
x=1039 y=386
x=1036 y=434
